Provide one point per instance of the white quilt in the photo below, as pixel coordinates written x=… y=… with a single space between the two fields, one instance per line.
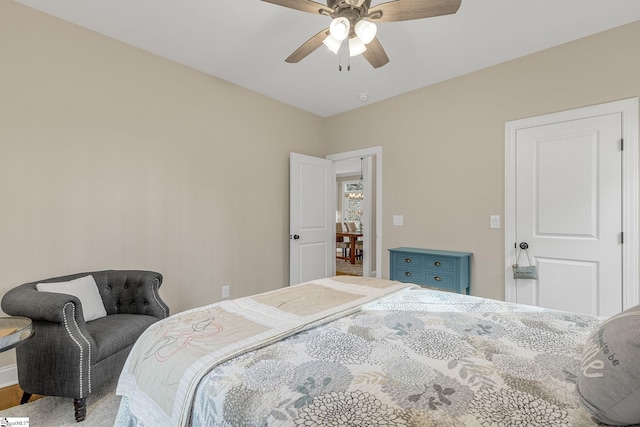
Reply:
x=168 y=361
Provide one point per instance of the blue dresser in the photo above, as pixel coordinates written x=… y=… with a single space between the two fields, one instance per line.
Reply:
x=446 y=270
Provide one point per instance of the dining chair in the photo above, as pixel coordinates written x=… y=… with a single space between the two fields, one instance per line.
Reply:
x=359 y=248
x=341 y=242
x=351 y=226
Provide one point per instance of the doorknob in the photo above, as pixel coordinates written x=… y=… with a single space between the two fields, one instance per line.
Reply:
x=524 y=245
x=295 y=237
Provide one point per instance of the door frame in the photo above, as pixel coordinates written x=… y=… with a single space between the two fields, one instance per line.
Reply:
x=628 y=108
x=357 y=154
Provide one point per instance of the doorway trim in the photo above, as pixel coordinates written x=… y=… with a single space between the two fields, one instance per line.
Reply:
x=628 y=108
x=369 y=152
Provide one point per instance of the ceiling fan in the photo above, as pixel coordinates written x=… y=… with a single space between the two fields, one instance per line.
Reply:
x=353 y=21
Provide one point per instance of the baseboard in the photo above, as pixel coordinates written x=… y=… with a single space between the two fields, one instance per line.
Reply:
x=8 y=376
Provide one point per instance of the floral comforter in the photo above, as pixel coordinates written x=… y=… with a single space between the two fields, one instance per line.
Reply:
x=161 y=374
x=416 y=358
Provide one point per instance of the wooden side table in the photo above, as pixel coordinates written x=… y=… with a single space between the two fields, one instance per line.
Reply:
x=13 y=331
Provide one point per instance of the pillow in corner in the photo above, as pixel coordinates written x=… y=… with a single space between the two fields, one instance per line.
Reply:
x=85 y=289
x=609 y=377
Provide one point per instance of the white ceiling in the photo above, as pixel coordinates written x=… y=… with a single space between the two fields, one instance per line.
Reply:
x=246 y=41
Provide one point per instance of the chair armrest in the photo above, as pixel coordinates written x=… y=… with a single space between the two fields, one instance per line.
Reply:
x=58 y=359
x=25 y=300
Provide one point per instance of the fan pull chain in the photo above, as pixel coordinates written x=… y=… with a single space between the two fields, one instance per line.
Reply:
x=348 y=59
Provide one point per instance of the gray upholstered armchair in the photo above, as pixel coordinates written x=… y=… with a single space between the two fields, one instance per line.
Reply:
x=68 y=356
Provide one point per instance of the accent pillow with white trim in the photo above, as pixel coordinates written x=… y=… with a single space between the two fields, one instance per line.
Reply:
x=85 y=289
x=609 y=378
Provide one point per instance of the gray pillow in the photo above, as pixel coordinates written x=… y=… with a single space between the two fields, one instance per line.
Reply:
x=609 y=377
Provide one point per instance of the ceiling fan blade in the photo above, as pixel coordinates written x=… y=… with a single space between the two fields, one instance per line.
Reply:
x=375 y=54
x=405 y=10
x=307 y=47
x=303 y=5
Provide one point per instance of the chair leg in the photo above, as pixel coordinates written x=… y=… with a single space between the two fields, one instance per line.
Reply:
x=80 y=406
x=25 y=397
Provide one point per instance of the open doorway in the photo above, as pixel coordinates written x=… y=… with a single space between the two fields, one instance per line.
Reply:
x=350 y=207
x=358 y=208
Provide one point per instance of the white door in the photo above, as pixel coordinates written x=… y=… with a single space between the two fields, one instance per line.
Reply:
x=569 y=212
x=312 y=219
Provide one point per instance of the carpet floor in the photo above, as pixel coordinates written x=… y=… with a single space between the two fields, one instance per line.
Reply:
x=102 y=408
x=345 y=267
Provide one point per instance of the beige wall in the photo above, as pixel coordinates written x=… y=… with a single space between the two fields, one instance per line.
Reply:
x=443 y=145
x=113 y=158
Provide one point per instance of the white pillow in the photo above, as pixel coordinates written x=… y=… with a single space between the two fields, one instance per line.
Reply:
x=85 y=289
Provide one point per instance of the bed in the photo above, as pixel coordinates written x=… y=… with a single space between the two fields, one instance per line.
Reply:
x=352 y=351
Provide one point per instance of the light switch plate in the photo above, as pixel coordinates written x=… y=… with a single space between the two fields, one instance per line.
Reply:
x=398 y=220
x=494 y=221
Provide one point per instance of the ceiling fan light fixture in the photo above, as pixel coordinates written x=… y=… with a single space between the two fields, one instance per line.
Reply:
x=356 y=46
x=366 y=31
x=332 y=44
x=339 y=28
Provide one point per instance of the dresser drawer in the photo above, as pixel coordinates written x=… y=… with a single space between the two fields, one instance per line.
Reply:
x=442 y=281
x=438 y=263
x=405 y=274
x=407 y=260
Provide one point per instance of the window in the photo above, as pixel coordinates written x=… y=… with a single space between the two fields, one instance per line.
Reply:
x=352 y=202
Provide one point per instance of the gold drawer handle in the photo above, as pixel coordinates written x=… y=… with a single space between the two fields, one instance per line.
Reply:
x=438 y=278
x=407 y=273
x=407 y=260
x=437 y=263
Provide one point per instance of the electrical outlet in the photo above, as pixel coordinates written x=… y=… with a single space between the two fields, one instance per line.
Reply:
x=225 y=291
